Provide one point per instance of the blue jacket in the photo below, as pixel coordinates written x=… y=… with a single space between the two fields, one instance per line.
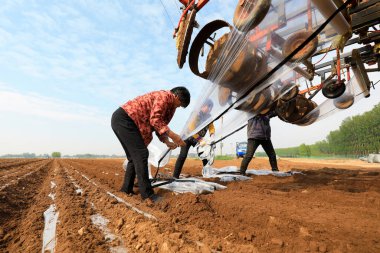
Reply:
x=259 y=127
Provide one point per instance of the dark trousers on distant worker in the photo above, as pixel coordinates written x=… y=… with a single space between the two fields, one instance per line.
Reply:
x=252 y=145
x=182 y=158
x=137 y=153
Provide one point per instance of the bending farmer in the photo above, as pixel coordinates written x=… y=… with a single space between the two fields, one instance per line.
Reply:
x=134 y=123
x=203 y=115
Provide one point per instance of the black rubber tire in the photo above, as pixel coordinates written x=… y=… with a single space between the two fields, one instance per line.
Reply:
x=198 y=43
x=332 y=90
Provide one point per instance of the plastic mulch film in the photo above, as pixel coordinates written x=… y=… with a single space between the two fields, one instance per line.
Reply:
x=373 y=158
x=247 y=60
x=255 y=103
x=229 y=173
x=193 y=185
x=155 y=154
x=352 y=94
x=225 y=174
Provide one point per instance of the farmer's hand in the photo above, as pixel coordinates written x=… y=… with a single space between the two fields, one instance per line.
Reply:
x=176 y=138
x=179 y=141
x=171 y=145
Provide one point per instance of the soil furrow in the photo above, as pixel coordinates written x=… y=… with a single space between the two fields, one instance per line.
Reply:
x=16 y=164
x=265 y=214
x=22 y=206
x=325 y=209
x=75 y=233
x=176 y=237
x=138 y=232
x=14 y=173
x=14 y=178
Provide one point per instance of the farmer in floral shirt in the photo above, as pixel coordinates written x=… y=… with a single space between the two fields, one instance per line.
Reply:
x=134 y=123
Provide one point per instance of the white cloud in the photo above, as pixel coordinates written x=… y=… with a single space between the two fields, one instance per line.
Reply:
x=48 y=108
x=77 y=61
x=89 y=54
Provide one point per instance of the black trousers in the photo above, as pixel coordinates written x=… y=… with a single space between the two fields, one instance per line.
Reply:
x=182 y=158
x=252 y=145
x=137 y=153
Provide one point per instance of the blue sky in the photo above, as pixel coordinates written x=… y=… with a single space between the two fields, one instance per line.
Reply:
x=67 y=65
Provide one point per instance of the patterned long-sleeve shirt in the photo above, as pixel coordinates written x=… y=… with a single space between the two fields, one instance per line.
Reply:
x=152 y=112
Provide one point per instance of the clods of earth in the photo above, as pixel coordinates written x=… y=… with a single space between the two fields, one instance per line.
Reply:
x=74 y=205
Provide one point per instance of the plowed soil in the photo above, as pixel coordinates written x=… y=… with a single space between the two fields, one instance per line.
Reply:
x=334 y=206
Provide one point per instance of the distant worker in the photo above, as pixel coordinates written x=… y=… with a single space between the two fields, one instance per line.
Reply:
x=134 y=123
x=202 y=116
x=259 y=133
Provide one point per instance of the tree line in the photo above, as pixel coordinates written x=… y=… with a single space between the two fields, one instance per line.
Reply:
x=58 y=155
x=357 y=136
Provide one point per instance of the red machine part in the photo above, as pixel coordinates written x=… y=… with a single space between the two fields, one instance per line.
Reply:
x=188 y=5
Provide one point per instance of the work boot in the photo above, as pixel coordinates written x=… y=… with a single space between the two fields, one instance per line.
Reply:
x=129 y=193
x=155 y=198
x=243 y=173
x=149 y=202
x=152 y=199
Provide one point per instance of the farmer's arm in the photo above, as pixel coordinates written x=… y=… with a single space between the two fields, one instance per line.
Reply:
x=161 y=104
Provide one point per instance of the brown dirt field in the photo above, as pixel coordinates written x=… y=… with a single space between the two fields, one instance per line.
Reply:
x=333 y=207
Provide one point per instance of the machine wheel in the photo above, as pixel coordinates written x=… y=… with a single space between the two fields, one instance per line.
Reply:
x=294 y=41
x=249 y=13
x=184 y=36
x=333 y=88
x=198 y=43
x=292 y=93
